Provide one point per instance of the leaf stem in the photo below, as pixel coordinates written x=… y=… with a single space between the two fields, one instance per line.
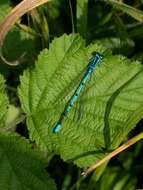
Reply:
x=72 y=19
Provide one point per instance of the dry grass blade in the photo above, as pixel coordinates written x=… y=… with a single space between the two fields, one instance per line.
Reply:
x=22 y=8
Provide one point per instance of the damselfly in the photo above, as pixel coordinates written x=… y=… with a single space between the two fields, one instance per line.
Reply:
x=96 y=60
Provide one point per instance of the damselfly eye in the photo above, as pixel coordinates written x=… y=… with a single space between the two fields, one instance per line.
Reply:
x=94 y=53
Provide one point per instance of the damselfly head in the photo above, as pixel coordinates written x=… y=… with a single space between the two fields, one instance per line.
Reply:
x=103 y=53
x=97 y=55
x=94 y=53
x=95 y=60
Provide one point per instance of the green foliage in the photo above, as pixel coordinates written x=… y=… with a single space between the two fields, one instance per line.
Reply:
x=110 y=106
x=107 y=113
x=113 y=178
x=13 y=42
x=82 y=16
x=125 y=47
x=135 y=13
x=13 y=115
x=3 y=102
x=21 y=167
x=4 y=9
x=117 y=179
x=54 y=8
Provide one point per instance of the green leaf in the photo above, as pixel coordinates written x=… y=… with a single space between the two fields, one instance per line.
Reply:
x=19 y=42
x=53 y=8
x=13 y=114
x=3 y=102
x=82 y=15
x=22 y=168
x=133 y=12
x=138 y=56
x=4 y=9
x=117 y=179
x=117 y=45
x=104 y=114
